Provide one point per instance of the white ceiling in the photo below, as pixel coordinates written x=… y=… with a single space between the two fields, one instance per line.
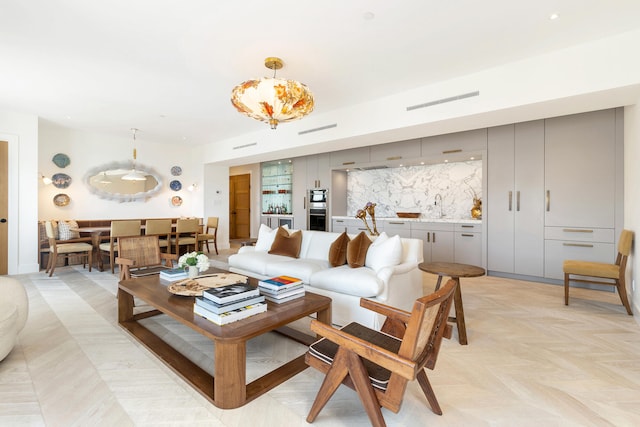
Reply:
x=168 y=67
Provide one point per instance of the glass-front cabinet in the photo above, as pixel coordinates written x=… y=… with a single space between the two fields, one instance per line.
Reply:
x=277 y=185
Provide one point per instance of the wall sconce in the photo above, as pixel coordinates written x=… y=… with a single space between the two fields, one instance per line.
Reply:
x=192 y=187
x=45 y=180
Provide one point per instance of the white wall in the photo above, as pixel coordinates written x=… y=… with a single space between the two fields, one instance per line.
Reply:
x=21 y=131
x=89 y=150
x=632 y=198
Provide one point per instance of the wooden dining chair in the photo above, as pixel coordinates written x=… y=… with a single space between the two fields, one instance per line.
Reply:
x=141 y=255
x=208 y=236
x=186 y=234
x=379 y=364
x=118 y=229
x=162 y=229
x=601 y=273
x=65 y=250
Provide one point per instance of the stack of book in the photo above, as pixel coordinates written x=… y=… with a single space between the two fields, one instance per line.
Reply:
x=226 y=304
x=173 y=274
x=281 y=289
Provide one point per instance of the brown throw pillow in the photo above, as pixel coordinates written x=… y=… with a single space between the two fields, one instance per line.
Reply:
x=338 y=250
x=286 y=244
x=357 y=250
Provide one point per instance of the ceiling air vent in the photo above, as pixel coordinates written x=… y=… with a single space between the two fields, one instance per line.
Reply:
x=444 y=100
x=245 y=146
x=370 y=168
x=317 y=129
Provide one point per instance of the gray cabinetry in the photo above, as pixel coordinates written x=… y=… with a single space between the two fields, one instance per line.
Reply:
x=299 y=193
x=318 y=171
x=275 y=221
x=468 y=244
x=396 y=151
x=350 y=157
x=515 y=217
x=393 y=227
x=437 y=240
x=473 y=140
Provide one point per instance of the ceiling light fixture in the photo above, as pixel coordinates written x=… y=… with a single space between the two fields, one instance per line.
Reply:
x=134 y=175
x=272 y=100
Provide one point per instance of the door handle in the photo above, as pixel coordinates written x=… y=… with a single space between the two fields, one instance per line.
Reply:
x=510 y=200
x=518 y=200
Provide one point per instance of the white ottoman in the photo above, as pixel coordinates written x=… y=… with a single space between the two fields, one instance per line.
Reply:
x=14 y=309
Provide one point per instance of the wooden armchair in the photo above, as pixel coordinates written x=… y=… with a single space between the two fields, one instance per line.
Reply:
x=65 y=250
x=379 y=364
x=208 y=236
x=602 y=273
x=186 y=234
x=119 y=228
x=141 y=255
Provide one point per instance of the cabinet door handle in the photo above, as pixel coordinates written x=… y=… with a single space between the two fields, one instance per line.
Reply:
x=466 y=235
x=575 y=230
x=339 y=220
x=579 y=245
x=396 y=223
x=434 y=237
x=510 y=200
x=466 y=226
x=428 y=237
x=518 y=200
x=548 y=200
x=304 y=202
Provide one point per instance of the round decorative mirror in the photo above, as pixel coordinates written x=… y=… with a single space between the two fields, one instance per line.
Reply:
x=114 y=181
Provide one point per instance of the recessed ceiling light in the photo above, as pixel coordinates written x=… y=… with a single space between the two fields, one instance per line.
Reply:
x=554 y=16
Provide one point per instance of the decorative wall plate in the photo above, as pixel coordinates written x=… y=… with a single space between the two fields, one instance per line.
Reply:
x=61 y=180
x=176 y=171
x=61 y=160
x=176 y=200
x=61 y=199
x=175 y=185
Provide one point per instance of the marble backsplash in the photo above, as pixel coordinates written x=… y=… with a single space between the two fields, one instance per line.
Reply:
x=414 y=189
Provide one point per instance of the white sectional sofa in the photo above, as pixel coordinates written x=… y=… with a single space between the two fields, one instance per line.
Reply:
x=390 y=274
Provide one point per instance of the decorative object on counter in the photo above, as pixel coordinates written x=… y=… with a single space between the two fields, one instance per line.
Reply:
x=61 y=180
x=176 y=171
x=61 y=199
x=476 y=210
x=176 y=200
x=272 y=100
x=175 y=185
x=61 y=160
x=408 y=214
x=196 y=262
x=369 y=208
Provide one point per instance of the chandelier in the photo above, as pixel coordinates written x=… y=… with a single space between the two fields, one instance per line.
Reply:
x=272 y=100
x=134 y=175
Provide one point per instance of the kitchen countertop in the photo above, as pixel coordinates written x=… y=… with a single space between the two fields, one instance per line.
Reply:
x=421 y=219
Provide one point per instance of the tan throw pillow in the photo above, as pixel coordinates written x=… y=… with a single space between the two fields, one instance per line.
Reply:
x=357 y=250
x=338 y=250
x=286 y=244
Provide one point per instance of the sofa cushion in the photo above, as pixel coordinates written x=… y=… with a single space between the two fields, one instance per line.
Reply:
x=286 y=244
x=256 y=261
x=301 y=268
x=68 y=230
x=385 y=251
x=265 y=238
x=338 y=250
x=361 y=282
x=357 y=250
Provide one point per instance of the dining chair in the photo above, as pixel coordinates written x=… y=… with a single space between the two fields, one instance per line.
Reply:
x=162 y=229
x=119 y=228
x=186 y=234
x=65 y=250
x=602 y=273
x=207 y=236
x=141 y=255
x=379 y=364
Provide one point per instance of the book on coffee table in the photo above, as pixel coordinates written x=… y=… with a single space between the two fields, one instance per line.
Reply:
x=280 y=299
x=230 y=316
x=280 y=282
x=173 y=274
x=223 y=308
x=230 y=293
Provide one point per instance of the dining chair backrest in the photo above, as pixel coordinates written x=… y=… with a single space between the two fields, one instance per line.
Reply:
x=161 y=227
x=129 y=227
x=188 y=225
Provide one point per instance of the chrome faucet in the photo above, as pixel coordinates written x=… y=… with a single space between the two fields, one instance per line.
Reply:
x=438 y=197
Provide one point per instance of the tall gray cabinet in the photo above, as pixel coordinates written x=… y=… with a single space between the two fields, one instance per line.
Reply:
x=554 y=193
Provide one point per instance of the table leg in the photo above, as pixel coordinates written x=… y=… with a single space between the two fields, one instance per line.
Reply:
x=125 y=306
x=229 y=379
x=438 y=282
x=457 y=301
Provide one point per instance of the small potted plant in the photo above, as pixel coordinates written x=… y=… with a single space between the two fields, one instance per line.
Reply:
x=194 y=263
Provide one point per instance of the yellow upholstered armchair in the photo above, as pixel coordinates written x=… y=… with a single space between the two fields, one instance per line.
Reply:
x=602 y=273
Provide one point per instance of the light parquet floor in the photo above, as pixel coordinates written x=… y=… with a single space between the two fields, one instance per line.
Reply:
x=530 y=361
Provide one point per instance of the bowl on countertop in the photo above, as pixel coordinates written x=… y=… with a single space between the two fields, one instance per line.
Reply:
x=408 y=214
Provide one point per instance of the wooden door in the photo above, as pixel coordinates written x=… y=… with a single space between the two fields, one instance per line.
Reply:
x=240 y=206
x=4 y=206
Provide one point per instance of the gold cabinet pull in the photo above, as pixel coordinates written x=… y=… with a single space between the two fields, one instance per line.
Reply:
x=548 y=200
x=466 y=235
x=579 y=245
x=576 y=230
x=518 y=200
x=510 y=200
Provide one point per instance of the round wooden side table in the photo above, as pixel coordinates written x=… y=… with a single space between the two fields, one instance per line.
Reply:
x=455 y=271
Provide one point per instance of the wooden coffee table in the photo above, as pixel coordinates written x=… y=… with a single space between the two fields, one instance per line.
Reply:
x=227 y=388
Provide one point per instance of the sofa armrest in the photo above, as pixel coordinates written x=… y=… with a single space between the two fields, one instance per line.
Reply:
x=244 y=249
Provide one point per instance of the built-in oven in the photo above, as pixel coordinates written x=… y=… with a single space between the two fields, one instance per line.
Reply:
x=317 y=210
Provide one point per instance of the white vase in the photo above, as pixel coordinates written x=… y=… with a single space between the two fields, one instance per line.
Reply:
x=192 y=271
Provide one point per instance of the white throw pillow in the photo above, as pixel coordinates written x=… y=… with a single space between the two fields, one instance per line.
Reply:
x=266 y=235
x=385 y=251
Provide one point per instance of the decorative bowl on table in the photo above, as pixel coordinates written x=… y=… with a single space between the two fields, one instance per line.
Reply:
x=408 y=214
